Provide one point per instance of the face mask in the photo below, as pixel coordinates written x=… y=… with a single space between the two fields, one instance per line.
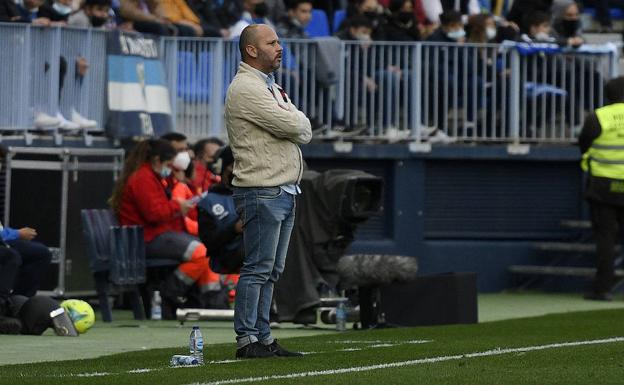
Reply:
x=62 y=9
x=261 y=9
x=542 y=36
x=182 y=161
x=165 y=172
x=456 y=35
x=405 y=17
x=34 y=10
x=569 y=27
x=97 y=21
x=370 y=14
x=363 y=37
x=490 y=33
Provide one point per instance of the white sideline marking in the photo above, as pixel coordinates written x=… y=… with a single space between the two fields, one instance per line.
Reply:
x=94 y=374
x=492 y=352
x=134 y=371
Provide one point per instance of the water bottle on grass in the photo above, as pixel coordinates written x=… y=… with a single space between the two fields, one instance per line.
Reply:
x=196 y=345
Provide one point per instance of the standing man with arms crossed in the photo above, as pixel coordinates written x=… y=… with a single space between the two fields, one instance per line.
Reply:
x=264 y=129
x=602 y=144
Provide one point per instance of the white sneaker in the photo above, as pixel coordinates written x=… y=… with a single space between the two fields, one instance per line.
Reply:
x=45 y=121
x=82 y=121
x=441 y=137
x=66 y=124
x=394 y=134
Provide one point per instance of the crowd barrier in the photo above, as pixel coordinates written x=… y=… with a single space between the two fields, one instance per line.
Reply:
x=381 y=91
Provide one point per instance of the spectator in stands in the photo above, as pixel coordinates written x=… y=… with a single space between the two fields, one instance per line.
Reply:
x=481 y=29
x=538 y=28
x=29 y=13
x=601 y=144
x=9 y=12
x=141 y=197
x=402 y=24
x=451 y=29
x=292 y=25
x=58 y=12
x=205 y=151
x=375 y=13
x=144 y=18
x=566 y=26
x=179 y=13
x=603 y=14
x=93 y=14
x=521 y=8
x=277 y=9
x=434 y=8
x=255 y=12
x=214 y=20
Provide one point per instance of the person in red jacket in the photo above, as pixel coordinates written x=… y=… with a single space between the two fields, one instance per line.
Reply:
x=142 y=197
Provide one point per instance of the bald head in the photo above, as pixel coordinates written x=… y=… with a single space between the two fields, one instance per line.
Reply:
x=249 y=36
x=260 y=48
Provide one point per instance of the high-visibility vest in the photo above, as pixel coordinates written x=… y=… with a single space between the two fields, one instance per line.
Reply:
x=605 y=157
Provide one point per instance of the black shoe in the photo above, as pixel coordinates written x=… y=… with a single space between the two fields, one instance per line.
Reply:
x=599 y=296
x=279 y=351
x=10 y=325
x=254 y=350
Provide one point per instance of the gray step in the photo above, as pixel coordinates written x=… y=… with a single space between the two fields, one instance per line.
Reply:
x=569 y=271
x=575 y=224
x=565 y=246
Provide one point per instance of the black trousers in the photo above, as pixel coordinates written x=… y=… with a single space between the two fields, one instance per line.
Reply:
x=9 y=267
x=607 y=221
x=34 y=259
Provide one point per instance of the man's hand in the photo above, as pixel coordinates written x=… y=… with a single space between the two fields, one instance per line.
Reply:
x=27 y=234
x=238 y=227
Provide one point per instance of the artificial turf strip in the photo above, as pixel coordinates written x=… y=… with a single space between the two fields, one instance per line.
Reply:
x=590 y=364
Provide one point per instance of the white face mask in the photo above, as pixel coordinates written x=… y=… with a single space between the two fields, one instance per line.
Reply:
x=182 y=161
x=62 y=9
x=542 y=36
x=490 y=32
x=363 y=37
x=457 y=34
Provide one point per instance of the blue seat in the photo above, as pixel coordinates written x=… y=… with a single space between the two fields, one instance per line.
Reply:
x=339 y=17
x=192 y=86
x=116 y=256
x=318 y=25
x=615 y=13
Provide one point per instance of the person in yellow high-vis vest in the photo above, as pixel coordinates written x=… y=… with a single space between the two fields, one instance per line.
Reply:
x=602 y=144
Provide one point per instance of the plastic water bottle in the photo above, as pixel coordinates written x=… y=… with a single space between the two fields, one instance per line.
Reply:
x=196 y=345
x=156 y=306
x=341 y=316
x=180 y=360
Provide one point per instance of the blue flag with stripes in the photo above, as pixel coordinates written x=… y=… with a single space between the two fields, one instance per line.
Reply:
x=138 y=98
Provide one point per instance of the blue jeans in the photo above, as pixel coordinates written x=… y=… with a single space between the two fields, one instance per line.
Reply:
x=268 y=216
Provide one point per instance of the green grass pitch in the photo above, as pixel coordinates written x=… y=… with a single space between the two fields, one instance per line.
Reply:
x=571 y=348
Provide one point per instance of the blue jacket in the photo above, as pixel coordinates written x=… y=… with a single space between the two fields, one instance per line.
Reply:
x=217 y=217
x=8 y=234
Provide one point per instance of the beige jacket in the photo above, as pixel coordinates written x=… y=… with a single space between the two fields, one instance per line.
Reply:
x=264 y=132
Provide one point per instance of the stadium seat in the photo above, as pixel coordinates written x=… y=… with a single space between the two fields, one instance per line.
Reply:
x=116 y=256
x=616 y=13
x=318 y=25
x=339 y=16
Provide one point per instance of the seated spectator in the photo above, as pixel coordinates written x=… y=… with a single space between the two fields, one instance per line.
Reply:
x=451 y=29
x=93 y=14
x=29 y=12
x=402 y=24
x=375 y=13
x=538 y=28
x=434 y=8
x=567 y=23
x=141 y=197
x=57 y=13
x=292 y=25
x=9 y=12
x=144 y=18
x=521 y=8
x=213 y=20
x=254 y=12
x=205 y=151
x=481 y=29
x=179 y=13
